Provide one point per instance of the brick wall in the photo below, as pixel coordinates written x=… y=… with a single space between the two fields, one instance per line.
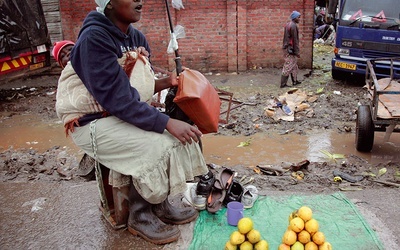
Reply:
x=221 y=35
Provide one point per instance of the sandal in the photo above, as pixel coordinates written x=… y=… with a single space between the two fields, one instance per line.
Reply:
x=215 y=200
x=224 y=179
x=218 y=191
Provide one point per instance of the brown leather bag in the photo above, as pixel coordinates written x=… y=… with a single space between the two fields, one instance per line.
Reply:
x=199 y=100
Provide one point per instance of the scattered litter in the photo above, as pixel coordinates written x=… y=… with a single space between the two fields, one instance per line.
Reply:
x=337 y=179
x=244 y=180
x=285 y=132
x=320 y=90
x=312 y=99
x=299 y=175
x=300 y=165
x=348 y=177
x=336 y=92
x=287 y=110
x=285 y=106
x=319 y=41
x=301 y=107
x=36 y=204
x=382 y=171
x=32 y=142
x=244 y=143
x=347 y=128
x=268 y=170
x=333 y=157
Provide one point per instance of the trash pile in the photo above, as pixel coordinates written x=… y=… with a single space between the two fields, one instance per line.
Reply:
x=287 y=105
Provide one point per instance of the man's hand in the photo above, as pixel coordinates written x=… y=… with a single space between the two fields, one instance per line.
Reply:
x=174 y=79
x=183 y=131
x=141 y=50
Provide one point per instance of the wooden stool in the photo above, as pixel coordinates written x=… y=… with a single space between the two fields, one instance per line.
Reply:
x=117 y=200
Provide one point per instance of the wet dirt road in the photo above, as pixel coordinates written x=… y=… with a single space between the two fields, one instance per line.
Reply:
x=27 y=131
x=65 y=215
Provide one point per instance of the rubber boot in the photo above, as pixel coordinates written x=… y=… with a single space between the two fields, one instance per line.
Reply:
x=166 y=212
x=284 y=80
x=143 y=222
x=295 y=82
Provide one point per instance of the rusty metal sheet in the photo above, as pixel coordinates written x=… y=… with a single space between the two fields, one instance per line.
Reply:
x=391 y=101
x=383 y=84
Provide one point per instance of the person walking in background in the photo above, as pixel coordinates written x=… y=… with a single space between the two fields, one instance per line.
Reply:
x=291 y=50
x=105 y=110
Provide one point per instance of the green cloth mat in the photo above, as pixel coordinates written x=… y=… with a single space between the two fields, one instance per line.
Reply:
x=340 y=221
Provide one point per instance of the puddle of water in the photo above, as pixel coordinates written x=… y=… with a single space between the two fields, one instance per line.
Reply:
x=275 y=148
x=27 y=131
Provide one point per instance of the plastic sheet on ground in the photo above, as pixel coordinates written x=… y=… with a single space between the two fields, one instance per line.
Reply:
x=340 y=221
x=296 y=101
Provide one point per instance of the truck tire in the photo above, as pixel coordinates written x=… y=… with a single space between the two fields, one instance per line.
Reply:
x=364 y=129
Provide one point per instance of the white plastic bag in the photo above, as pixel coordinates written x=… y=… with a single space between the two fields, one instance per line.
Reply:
x=179 y=32
x=177 y=4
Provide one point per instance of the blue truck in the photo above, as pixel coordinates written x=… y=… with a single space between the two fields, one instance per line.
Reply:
x=365 y=29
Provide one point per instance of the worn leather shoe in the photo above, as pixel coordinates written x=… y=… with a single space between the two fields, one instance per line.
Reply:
x=234 y=193
x=170 y=214
x=205 y=184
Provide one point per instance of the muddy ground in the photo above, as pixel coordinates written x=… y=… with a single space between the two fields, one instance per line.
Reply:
x=331 y=105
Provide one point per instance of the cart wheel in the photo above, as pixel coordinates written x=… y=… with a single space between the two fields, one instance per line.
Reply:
x=364 y=129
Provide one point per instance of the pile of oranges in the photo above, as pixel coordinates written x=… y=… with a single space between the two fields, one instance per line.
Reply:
x=303 y=232
x=246 y=237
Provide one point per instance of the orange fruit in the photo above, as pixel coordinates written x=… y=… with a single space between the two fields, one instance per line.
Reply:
x=236 y=238
x=244 y=225
x=283 y=247
x=253 y=236
x=261 y=245
x=311 y=246
x=305 y=213
x=325 y=246
x=229 y=246
x=297 y=224
x=318 y=238
x=297 y=246
x=289 y=237
x=246 y=246
x=312 y=226
x=304 y=237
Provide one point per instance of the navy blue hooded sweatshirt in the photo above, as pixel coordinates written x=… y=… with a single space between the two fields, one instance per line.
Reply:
x=94 y=58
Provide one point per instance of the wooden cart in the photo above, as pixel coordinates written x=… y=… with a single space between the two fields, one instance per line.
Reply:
x=383 y=113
